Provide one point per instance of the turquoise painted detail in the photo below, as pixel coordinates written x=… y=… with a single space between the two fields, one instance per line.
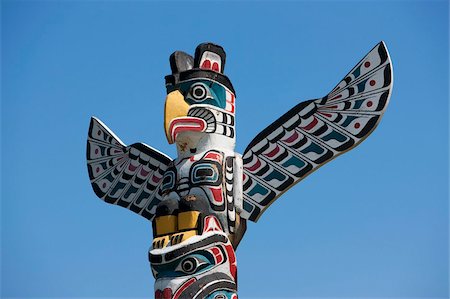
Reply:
x=200 y=260
x=313 y=147
x=258 y=189
x=196 y=178
x=348 y=120
x=168 y=181
x=248 y=207
x=294 y=161
x=221 y=295
x=216 y=94
x=362 y=86
x=357 y=72
x=275 y=174
x=358 y=103
x=334 y=135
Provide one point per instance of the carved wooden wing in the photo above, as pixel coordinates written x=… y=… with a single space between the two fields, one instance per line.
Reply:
x=315 y=132
x=128 y=176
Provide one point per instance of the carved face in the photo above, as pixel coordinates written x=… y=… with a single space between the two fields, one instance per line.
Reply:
x=203 y=266
x=199 y=109
x=202 y=106
x=196 y=224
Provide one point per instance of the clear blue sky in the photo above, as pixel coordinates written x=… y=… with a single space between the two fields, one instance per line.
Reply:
x=372 y=223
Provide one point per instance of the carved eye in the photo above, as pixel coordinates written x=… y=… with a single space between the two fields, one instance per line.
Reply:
x=190 y=265
x=168 y=181
x=199 y=92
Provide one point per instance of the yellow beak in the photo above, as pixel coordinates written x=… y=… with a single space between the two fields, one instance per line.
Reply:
x=175 y=107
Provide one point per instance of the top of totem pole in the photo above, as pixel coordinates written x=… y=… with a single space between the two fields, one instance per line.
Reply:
x=208 y=63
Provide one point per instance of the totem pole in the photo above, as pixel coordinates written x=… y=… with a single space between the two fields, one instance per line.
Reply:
x=199 y=202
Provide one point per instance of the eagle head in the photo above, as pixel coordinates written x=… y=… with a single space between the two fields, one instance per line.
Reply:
x=200 y=99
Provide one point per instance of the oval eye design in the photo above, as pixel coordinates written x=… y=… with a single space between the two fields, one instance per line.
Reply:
x=190 y=265
x=207 y=173
x=168 y=182
x=199 y=92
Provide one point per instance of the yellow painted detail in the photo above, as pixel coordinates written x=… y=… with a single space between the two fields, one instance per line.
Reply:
x=188 y=220
x=175 y=107
x=160 y=242
x=181 y=237
x=166 y=225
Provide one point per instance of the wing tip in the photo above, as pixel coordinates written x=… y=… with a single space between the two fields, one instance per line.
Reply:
x=96 y=121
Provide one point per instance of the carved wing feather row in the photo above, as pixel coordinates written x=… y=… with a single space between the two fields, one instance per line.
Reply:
x=316 y=131
x=128 y=176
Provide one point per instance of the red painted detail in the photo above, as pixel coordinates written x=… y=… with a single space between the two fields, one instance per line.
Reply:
x=214 y=156
x=143 y=172
x=215 y=67
x=167 y=293
x=218 y=257
x=183 y=287
x=96 y=151
x=215 y=250
x=311 y=125
x=158 y=294
x=325 y=114
x=367 y=64
x=369 y=104
x=217 y=194
x=230 y=102
x=206 y=64
x=211 y=224
x=255 y=166
x=234 y=296
x=273 y=152
x=332 y=107
x=131 y=167
x=357 y=125
x=337 y=97
x=372 y=82
x=155 y=179
x=232 y=261
x=244 y=176
x=291 y=138
x=232 y=108
x=183 y=124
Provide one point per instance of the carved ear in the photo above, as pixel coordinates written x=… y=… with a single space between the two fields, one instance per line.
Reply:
x=210 y=56
x=180 y=62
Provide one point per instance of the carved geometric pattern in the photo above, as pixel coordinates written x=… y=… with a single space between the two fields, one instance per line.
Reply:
x=315 y=132
x=128 y=176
